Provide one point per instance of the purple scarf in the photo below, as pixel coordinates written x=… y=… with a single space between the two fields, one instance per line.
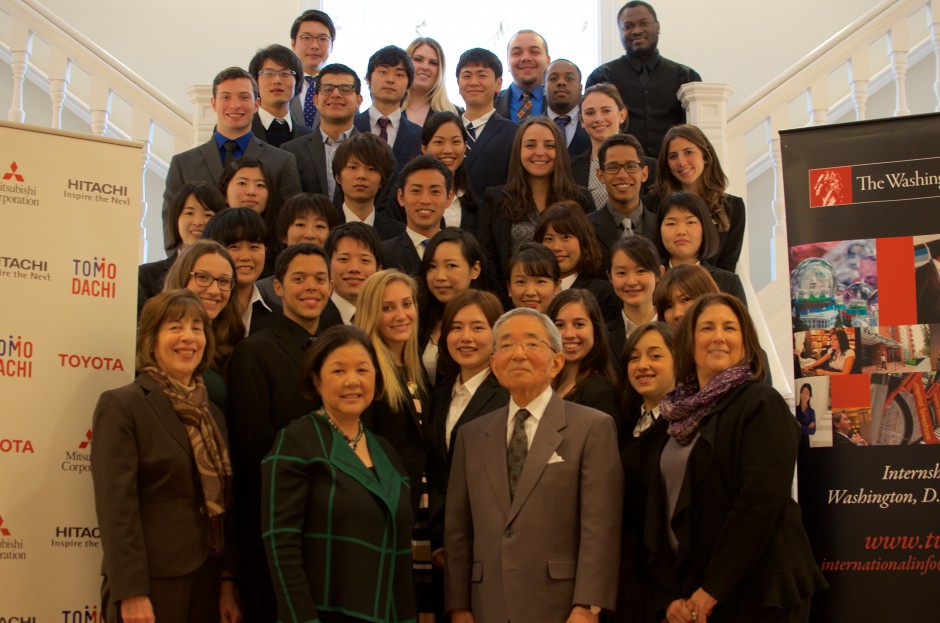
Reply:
x=686 y=406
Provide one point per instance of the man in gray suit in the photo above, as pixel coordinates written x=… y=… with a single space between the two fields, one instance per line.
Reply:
x=533 y=511
x=235 y=102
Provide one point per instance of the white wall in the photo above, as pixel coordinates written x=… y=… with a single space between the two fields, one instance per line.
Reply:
x=176 y=43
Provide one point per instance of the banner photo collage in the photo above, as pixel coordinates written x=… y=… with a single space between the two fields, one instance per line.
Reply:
x=863 y=221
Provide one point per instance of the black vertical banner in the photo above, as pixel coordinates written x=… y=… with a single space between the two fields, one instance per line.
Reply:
x=863 y=222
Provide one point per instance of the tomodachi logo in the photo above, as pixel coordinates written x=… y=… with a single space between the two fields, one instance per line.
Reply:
x=830 y=187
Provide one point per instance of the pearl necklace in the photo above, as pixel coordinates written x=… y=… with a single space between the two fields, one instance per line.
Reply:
x=352 y=442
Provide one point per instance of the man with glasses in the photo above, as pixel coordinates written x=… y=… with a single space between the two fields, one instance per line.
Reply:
x=622 y=169
x=235 y=102
x=311 y=37
x=277 y=70
x=535 y=493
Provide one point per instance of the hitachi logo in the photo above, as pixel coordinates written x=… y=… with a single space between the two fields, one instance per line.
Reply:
x=95 y=187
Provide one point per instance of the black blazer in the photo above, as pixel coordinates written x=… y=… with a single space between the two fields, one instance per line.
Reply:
x=488 y=161
x=580 y=141
x=490 y=395
x=150 y=279
x=727 y=282
x=501 y=103
x=298 y=128
x=495 y=235
x=400 y=253
x=611 y=306
x=616 y=341
x=740 y=532
x=407 y=140
x=581 y=169
x=597 y=392
x=608 y=232
x=387 y=228
x=261 y=316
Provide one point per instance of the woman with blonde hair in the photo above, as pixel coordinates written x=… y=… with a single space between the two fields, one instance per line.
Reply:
x=427 y=94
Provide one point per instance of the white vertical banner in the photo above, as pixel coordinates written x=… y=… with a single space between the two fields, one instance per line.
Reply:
x=69 y=215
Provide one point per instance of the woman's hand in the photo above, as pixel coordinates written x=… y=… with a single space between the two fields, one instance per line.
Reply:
x=228 y=604
x=137 y=609
x=702 y=604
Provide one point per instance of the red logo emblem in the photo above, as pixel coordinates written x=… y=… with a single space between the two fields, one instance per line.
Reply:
x=13 y=175
x=3 y=531
x=87 y=441
x=830 y=187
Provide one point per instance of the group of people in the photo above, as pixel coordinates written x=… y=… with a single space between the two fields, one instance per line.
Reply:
x=488 y=362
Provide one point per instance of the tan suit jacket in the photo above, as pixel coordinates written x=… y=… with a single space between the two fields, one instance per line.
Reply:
x=530 y=559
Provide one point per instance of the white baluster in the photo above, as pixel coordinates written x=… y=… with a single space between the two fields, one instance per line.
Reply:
x=60 y=73
x=935 y=40
x=860 y=74
x=898 y=50
x=819 y=101
x=100 y=107
x=706 y=105
x=143 y=132
x=21 y=46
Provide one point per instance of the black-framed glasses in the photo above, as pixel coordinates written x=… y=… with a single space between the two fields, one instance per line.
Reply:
x=204 y=280
x=321 y=39
x=283 y=74
x=612 y=168
x=344 y=89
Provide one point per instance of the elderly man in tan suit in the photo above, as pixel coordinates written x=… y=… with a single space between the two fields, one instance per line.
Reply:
x=532 y=524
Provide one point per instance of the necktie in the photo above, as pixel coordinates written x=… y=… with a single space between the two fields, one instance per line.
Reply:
x=278 y=133
x=383 y=128
x=422 y=247
x=646 y=420
x=525 y=108
x=473 y=136
x=563 y=122
x=310 y=109
x=517 y=450
x=644 y=75
x=229 y=147
x=626 y=228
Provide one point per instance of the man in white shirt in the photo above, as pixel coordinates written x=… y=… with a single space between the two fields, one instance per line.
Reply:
x=277 y=70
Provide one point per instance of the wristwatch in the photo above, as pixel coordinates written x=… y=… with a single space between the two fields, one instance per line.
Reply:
x=593 y=609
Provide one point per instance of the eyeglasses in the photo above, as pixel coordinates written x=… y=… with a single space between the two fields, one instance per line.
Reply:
x=529 y=346
x=321 y=39
x=344 y=89
x=612 y=168
x=204 y=280
x=283 y=74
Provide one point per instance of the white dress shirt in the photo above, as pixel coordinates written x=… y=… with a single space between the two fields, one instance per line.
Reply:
x=391 y=130
x=460 y=397
x=536 y=410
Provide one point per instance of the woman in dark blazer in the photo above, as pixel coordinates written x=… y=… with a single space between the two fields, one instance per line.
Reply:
x=539 y=176
x=725 y=536
x=162 y=477
x=445 y=137
x=338 y=526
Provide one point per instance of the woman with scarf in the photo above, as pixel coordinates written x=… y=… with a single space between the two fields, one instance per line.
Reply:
x=725 y=537
x=162 y=477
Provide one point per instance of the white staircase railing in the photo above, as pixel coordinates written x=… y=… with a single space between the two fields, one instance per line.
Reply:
x=834 y=79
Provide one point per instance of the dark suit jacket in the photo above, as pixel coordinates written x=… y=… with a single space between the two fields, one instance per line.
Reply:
x=597 y=392
x=400 y=253
x=490 y=395
x=337 y=533
x=262 y=317
x=611 y=306
x=203 y=163
x=488 y=161
x=387 y=228
x=148 y=497
x=740 y=533
x=407 y=140
x=150 y=279
x=727 y=282
x=581 y=170
x=927 y=285
x=311 y=160
x=298 y=128
x=558 y=538
x=501 y=103
x=608 y=232
x=617 y=340
x=580 y=141
x=839 y=439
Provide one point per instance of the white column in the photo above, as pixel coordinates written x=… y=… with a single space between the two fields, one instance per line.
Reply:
x=819 y=101
x=142 y=131
x=100 y=106
x=860 y=74
x=60 y=73
x=706 y=106
x=898 y=50
x=21 y=46
x=608 y=32
x=203 y=116
x=935 y=40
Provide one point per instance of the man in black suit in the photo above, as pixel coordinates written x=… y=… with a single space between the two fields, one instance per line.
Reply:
x=265 y=396
x=362 y=168
x=621 y=169
x=426 y=189
x=311 y=37
x=479 y=77
x=235 y=101
x=389 y=75
x=927 y=280
x=355 y=252
x=842 y=434
x=277 y=71
x=563 y=94
x=647 y=81
x=528 y=57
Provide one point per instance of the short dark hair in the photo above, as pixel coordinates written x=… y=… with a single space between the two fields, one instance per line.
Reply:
x=205 y=193
x=283 y=56
x=640 y=250
x=368 y=149
x=561 y=60
x=528 y=31
x=691 y=203
x=690 y=279
x=330 y=340
x=235 y=225
x=285 y=257
x=492 y=309
x=482 y=57
x=567 y=218
x=669 y=338
x=635 y=3
x=360 y=232
x=431 y=125
x=339 y=69
x=313 y=15
x=425 y=163
x=620 y=140
x=170 y=306
x=391 y=56
x=537 y=261
x=301 y=204
x=234 y=73
x=271 y=208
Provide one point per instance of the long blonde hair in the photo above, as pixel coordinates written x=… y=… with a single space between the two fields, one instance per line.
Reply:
x=440 y=102
x=369 y=318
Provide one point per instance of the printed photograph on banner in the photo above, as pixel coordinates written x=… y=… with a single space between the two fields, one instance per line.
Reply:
x=834 y=284
x=905 y=409
x=832 y=352
x=813 y=411
x=849 y=427
x=927 y=277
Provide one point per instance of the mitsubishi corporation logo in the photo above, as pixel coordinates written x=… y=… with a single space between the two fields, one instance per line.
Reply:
x=12 y=174
x=830 y=187
x=3 y=531
x=87 y=441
